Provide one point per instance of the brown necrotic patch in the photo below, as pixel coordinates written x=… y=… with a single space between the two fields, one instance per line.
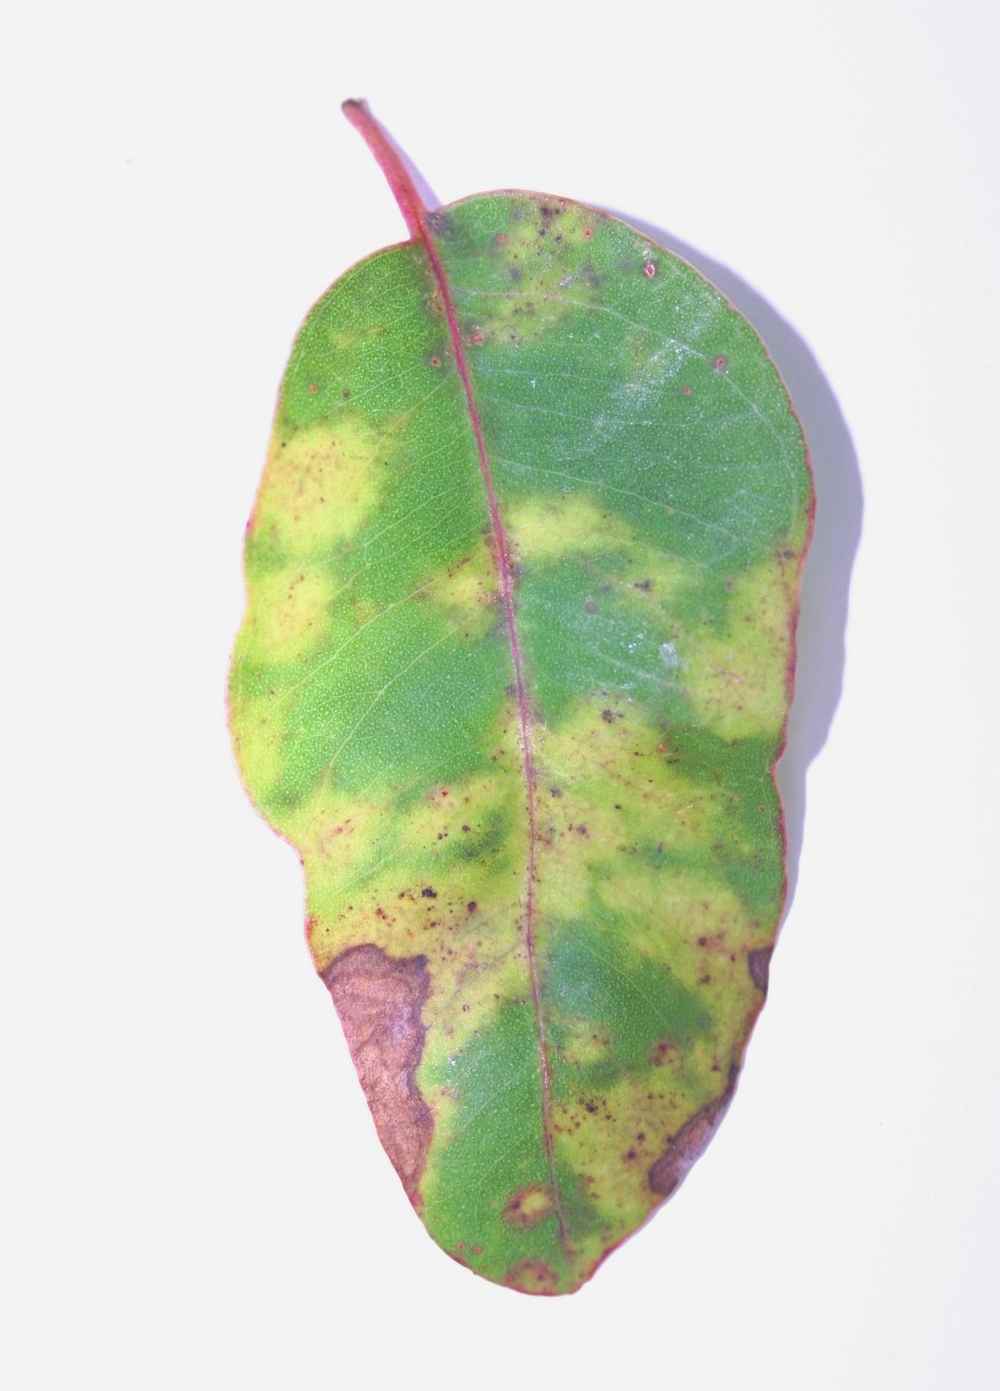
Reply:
x=379 y=999
x=759 y=964
x=689 y=1142
x=529 y=1206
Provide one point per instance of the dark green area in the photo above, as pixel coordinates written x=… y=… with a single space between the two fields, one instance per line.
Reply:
x=484 y=842
x=626 y=395
x=745 y=849
x=366 y=344
x=593 y=977
x=583 y=631
x=398 y=695
x=750 y=858
x=409 y=710
x=497 y=1147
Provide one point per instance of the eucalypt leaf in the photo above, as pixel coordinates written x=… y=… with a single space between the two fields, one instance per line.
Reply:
x=522 y=581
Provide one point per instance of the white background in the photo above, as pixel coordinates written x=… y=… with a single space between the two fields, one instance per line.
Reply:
x=194 y=1194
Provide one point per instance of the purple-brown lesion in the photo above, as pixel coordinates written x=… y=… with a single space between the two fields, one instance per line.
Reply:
x=529 y=1206
x=532 y=1277
x=380 y=1000
x=759 y=966
x=689 y=1142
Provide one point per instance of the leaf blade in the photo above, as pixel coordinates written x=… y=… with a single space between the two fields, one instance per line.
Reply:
x=563 y=881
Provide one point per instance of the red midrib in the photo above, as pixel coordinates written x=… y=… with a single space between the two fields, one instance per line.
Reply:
x=412 y=207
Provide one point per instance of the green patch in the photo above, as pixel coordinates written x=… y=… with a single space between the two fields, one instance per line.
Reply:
x=627 y=1003
x=495 y=1146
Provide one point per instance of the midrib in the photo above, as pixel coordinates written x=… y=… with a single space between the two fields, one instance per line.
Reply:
x=412 y=207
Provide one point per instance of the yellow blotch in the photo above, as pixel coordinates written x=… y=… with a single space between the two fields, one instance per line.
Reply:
x=287 y=614
x=548 y=278
x=467 y=593
x=736 y=679
x=678 y=918
x=341 y=842
x=375 y=873
x=336 y=837
x=258 y=720
x=438 y=819
x=318 y=487
x=529 y=1206
x=552 y=528
x=607 y=784
x=470 y=985
x=615 y=1135
x=582 y=1042
x=702 y=932
x=559 y=526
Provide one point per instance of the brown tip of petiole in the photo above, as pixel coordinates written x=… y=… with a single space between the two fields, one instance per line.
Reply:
x=391 y=163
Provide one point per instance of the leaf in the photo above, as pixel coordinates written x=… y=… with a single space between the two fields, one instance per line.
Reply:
x=513 y=678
